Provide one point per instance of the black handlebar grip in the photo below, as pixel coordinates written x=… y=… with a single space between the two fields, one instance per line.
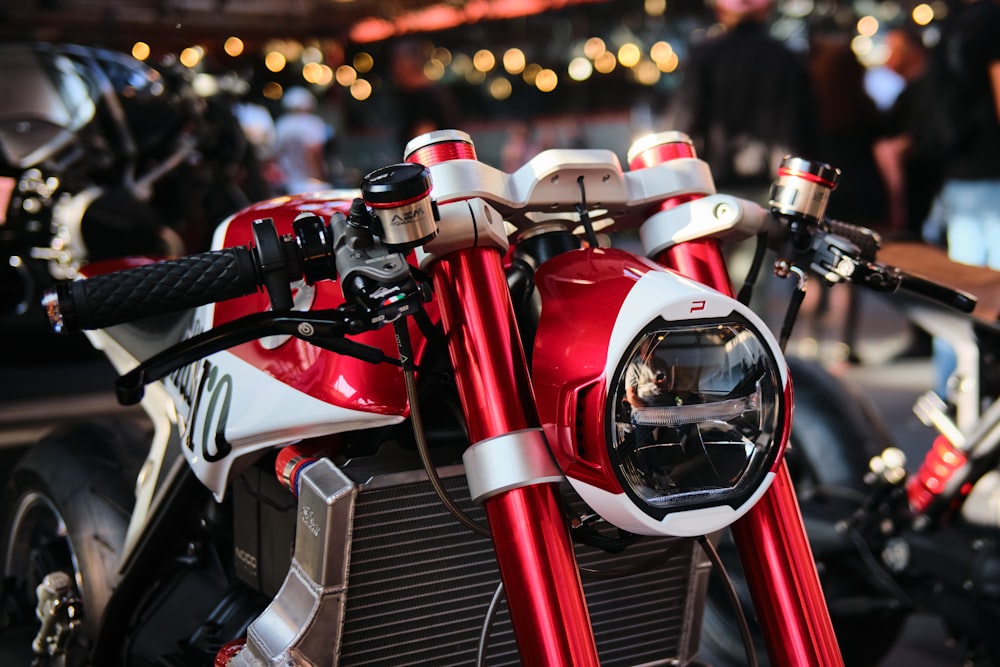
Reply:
x=866 y=240
x=133 y=294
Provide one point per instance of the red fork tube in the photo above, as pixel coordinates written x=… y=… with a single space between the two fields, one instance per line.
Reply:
x=781 y=573
x=534 y=553
x=771 y=539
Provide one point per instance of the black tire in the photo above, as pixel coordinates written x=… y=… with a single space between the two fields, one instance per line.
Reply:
x=66 y=507
x=834 y=435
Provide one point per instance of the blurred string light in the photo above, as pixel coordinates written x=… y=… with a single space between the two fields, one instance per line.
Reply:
x=580 y=68
x=275 y=61
x=461 y=64
x=317 y=74
x=500 y=70
x=546 y=80
x=629 y=54
x=664 y=56
x=191 y=56
x=140 y=50
x=655 y=7
x=272 y=90
x=363 y=62
x=514 y=61
x=647 y=73
x=233 y=46
x=311 y=55
x=530 y=73
x=346 y=75
x=922 y=14
x=361 y=90
x=500 y=88
x=605 y=63
x=442 y=55
x=867 y=26
x=484 y=60
x=594 y=47
x=863 y=47
x=434 y=69
x=204 y=85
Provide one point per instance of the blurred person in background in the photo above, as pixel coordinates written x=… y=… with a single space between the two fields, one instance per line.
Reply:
x=848 y=126
x=300 y=143
x=745 y=99
x=909 y=166
x=968 y=204
x=907 y=161
x=966 y=111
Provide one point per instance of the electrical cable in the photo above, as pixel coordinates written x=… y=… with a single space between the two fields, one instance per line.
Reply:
x=581 y=208
x=650 y=563
x=484 y=635
x=734 y=599
x=746 y=292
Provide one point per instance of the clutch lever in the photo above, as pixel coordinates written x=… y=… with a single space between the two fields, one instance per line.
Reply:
x=324 y=329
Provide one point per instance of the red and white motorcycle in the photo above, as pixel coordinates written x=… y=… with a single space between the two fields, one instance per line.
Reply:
x=446 y=431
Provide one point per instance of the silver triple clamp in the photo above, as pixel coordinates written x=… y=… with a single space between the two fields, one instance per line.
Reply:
x=60 y=611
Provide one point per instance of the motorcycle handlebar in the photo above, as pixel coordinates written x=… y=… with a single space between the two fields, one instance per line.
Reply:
x=171 y=285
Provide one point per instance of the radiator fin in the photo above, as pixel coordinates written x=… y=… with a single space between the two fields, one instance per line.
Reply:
x=420 y=585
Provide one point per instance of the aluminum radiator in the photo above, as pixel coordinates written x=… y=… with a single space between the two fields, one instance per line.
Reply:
x=420 y=585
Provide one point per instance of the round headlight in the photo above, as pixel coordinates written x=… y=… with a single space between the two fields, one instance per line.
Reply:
x=667 y=406
x=694 y=409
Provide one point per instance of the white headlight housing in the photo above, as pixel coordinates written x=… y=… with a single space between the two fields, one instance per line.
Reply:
x=666 y=403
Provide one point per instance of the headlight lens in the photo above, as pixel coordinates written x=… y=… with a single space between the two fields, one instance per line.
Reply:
x=694 y=410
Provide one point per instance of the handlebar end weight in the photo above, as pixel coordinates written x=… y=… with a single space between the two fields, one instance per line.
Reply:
x=130 y=388
x=58 y=303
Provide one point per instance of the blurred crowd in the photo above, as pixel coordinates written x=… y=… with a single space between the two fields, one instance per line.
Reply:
x=920 y=164
x=917 y=156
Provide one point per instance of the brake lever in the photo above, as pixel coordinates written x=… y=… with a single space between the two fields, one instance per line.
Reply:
x=837 y=259
x=312 y=327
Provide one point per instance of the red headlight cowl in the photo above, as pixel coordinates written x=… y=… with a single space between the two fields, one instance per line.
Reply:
x=665 y=402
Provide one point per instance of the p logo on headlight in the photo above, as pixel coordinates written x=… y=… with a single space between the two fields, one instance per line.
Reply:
x=665 y=402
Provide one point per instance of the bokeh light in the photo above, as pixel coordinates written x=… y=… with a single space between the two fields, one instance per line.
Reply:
x=140 y=50
x=233 y=46
x=594 y=47
x=867 y=26
x=484 y=60
x=361 y=90
x=363 y=62
x=275 y=61
x=546 y=80
x=514 y=61
x=500 y=88
x=923 y=14
x=580 y=68
x=272 y=90
x=346 y=75
x=191 y=56
x=605 y=63
x=629 y=54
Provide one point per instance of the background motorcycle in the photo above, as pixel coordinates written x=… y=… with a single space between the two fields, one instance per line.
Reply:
x=103 y=156
x=206 y=566
x=929 y=526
